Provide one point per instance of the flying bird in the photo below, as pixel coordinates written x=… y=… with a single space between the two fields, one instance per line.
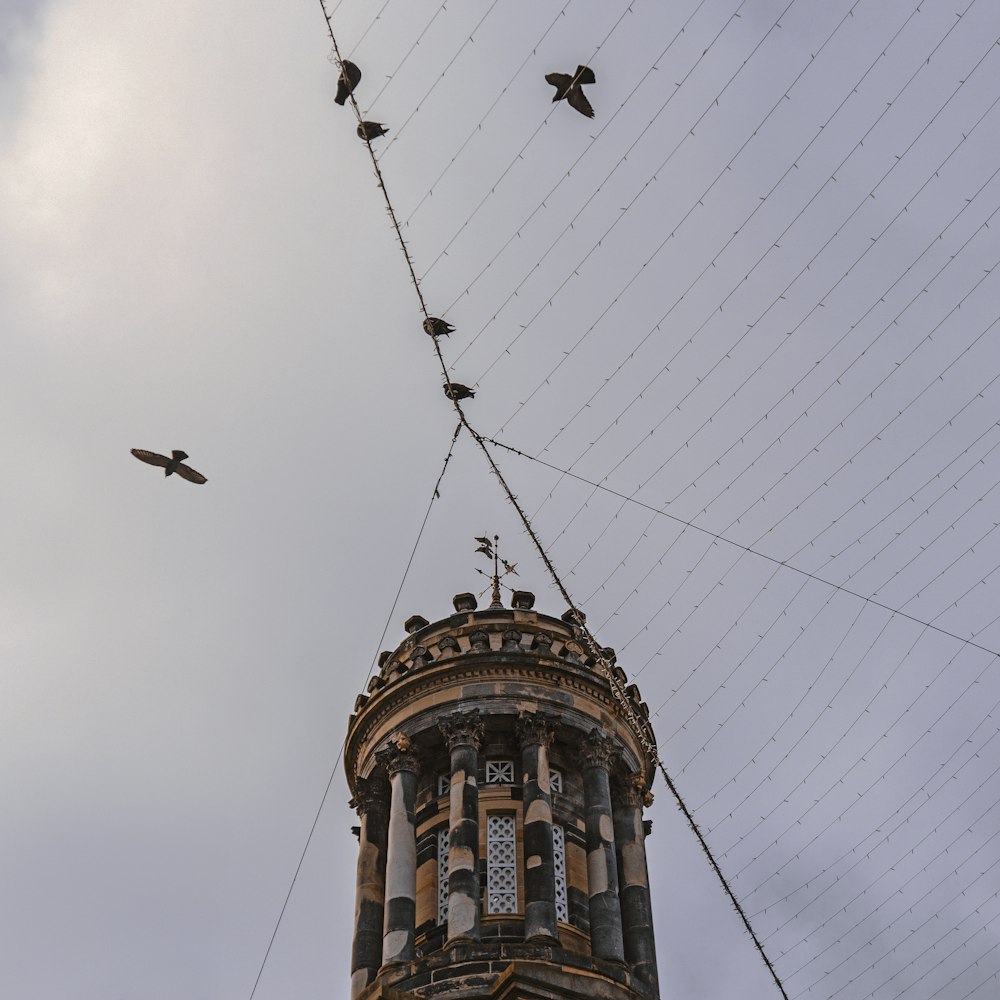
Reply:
x=436 y=327
x=457 y=391
x=350 y=77
x=170 y=465
x=371 y=130
x=570 y=88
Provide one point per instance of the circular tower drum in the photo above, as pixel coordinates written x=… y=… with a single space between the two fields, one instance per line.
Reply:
x=500 y=791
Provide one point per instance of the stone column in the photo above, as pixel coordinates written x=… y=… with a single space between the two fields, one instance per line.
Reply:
x=629 y=797
x=463 y=732
x=401 y=856
x=536 y=732
x=602 y=867
x=372 y=804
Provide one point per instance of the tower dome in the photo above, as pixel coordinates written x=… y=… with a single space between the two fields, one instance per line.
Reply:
x=500 y=791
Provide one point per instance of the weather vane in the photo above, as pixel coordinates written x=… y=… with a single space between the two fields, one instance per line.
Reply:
x=491 y=549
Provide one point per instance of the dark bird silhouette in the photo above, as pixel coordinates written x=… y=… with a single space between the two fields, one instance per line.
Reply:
x=570 y=88
x=437 y=327
x=457 y=391
x=485 y=551
x=371 y=130
x=350 y=77
x=170 y=465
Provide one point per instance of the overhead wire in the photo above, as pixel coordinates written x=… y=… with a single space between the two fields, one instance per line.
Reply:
x=729 y=541
x=430 y=90
x=574 y=270
x=756 y=264
x=520 y=153
x=700 y=380
x=409 y=52
x=611 y=120
x=760 y=203
x=478 y=126
x=608 y=669
x=836 y=381
x=336 y=764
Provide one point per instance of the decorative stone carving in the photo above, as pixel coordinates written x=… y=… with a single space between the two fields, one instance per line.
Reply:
x=597 y=750
x=420 y=657
x=462 y=728
x=371 y=795
x=542 y=643
x=399 y=756
x=480 y=642
x=572 y=651
x=629 y=790
x=511 y=640
x=536 y=728
x=448 y=644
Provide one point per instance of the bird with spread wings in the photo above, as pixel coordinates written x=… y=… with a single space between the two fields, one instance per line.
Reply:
x=170 y=465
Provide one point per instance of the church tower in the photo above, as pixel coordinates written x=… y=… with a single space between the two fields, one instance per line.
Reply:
x=500 y=791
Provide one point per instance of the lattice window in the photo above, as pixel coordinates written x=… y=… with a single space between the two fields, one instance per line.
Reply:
x=499 y=772
x=444 y=784
x=555 y=781
x=501 y=865
x=559 y=857
x=443 y=876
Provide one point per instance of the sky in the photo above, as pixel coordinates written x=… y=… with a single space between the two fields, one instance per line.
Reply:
x=741 y=322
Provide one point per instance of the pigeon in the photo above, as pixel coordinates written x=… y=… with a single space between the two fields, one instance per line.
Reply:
x=170 y=465
x=371 y=130
x=350 y=77
x=436 y=327
x=569 y=87
x=456 y=391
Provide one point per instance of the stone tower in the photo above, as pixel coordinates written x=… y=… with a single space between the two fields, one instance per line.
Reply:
x=500 y=792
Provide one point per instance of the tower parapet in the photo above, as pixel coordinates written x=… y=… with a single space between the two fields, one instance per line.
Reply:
x=501 y=792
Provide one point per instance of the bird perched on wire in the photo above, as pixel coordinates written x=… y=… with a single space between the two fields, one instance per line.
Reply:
x=170 y=465
x=456 y=391
x=569 y=88
x=350 y=77
x=371 y=130
x=436 y=327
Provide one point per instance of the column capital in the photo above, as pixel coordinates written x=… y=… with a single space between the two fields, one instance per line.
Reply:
x=371 y=795
x=630 y=790
x=537 y=728
x=597 y=750
x=399 y=755
x=462 y=729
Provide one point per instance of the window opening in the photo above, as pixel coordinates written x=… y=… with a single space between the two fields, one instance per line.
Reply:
x=559 y=863
x=501 y=865
x=499 y=772
x=443 y=876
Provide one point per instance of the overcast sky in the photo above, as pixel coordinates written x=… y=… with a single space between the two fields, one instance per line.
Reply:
x=751 y=300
